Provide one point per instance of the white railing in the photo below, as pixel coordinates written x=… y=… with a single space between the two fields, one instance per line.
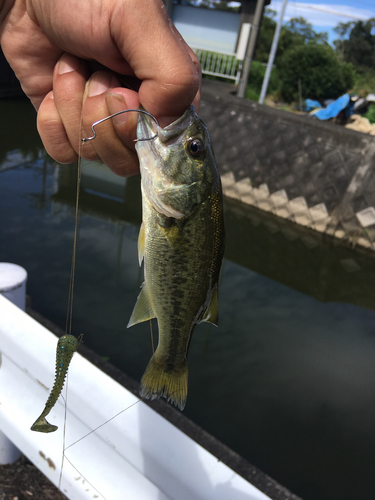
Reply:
x=138 y=455
x=218 y=64
x=225 y=65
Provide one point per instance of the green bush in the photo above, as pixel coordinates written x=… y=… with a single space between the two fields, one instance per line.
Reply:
x=255 y=82
x=364 y=82
x=370 y=115
x=252 y=94
x=322 y=75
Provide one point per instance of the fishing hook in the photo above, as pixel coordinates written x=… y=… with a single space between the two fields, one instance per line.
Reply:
x=119 y=113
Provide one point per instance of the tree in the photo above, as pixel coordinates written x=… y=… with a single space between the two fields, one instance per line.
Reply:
x=319 y=70
x=297 y=31
x=300 y=27
x=342 y=30
x=359 y=48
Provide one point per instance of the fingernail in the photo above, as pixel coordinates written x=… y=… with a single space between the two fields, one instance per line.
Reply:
x=116 y=103
x=99 y=83
x=68 y=63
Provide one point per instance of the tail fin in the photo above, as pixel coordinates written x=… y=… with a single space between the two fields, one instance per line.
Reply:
x=41 y=425
x=161 y=380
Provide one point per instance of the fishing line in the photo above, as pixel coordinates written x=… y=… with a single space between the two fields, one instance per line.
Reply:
x=152 y=337
x=83 y=477
x=69 y=314
x=68 y=326
x=86 y=139
x=64 y=433
x=104 y=423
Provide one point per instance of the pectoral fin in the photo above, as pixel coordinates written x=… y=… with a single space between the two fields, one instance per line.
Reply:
x=211 y=313
x=141 y=243
x=173 y=235
x=143 y=310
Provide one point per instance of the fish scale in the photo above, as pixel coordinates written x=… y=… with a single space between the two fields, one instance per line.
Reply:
x=182 y=243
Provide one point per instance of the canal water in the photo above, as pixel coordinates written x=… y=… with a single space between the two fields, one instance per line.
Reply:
x=288 y=378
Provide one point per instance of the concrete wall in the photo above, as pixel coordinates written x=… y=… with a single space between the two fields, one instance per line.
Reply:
x=317 y=174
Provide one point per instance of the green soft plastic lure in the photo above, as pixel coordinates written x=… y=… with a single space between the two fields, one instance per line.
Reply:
x=66 y=347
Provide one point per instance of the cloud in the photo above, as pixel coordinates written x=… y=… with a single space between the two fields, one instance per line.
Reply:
x=323 y=15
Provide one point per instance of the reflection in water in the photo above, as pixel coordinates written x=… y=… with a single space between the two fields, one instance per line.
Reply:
x=305 y=260
x=288 y=378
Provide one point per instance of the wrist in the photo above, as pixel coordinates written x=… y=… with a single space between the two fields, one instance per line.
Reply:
x=5 y=6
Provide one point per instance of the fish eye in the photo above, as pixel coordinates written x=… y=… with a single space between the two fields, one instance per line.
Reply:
x=196 y=148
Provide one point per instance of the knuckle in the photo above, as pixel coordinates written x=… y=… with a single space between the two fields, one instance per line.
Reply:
x=64 y=156
x=90 y=155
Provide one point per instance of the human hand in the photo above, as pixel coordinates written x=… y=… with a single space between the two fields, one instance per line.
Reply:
x=55 y=48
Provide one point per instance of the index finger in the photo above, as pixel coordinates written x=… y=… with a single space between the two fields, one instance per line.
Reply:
x=160 y=58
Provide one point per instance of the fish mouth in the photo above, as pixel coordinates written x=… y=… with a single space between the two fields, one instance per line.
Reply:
x=147 y=127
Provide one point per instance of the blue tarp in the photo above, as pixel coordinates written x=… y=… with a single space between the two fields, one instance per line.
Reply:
x=333 y=109
x=310 y=105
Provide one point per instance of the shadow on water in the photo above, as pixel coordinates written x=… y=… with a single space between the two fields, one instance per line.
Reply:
x=288 y=378
x=21 y=133
x=308 y=261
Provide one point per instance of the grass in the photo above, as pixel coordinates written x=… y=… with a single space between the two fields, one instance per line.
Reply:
x=364 y=82
x=251 y=93
x=370 y=115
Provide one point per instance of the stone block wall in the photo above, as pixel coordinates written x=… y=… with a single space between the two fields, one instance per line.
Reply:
x=316 y=174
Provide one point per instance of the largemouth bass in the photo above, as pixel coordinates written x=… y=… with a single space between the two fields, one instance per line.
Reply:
x=182 y=243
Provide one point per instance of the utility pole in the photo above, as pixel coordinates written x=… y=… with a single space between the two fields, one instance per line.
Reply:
x=271 y=58
x=250 y=48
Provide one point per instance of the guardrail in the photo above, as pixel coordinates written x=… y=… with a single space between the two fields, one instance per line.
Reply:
x=138 y=455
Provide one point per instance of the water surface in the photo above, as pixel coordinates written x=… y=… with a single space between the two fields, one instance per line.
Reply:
x=288 y=378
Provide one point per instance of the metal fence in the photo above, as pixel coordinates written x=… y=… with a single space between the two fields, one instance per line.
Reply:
x=219 y=64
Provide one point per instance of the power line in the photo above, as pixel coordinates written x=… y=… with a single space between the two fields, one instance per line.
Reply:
x=336 y=13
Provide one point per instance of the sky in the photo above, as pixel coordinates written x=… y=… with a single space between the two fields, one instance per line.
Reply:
x=330 y=13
